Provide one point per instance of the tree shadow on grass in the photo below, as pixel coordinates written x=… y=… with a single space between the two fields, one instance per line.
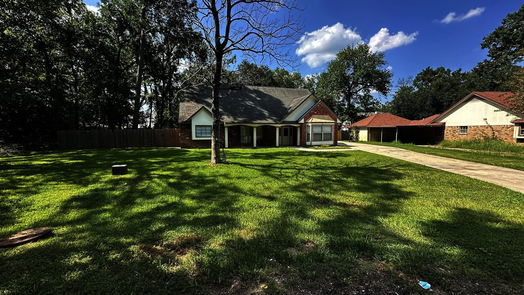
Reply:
x=281 y=217
x=34 y=174
x=99 y=230
x=486 y=244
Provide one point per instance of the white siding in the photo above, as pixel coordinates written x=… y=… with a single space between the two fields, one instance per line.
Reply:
x=362 y=134
x=478 y=112
x=301 y=110
x=203 y=117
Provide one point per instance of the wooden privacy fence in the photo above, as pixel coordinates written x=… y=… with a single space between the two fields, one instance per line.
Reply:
x=118 y=138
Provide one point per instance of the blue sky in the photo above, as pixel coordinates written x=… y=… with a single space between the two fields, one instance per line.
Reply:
x=434 y=33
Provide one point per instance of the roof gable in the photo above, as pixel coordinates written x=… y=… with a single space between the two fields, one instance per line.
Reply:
x=382 y=120
x=246 y=104
x=501 y=100
x=390 y=120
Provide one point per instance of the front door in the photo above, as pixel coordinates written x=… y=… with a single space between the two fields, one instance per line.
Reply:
x=246 y=136
x=286 y=136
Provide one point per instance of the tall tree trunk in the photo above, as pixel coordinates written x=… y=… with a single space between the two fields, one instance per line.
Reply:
x=137 y=104
x=215 y=111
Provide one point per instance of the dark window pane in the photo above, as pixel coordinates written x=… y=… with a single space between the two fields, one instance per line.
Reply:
x=203 y=131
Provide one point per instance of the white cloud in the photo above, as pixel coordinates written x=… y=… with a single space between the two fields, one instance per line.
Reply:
x=389 y=68
x=383 y=41
x=453 y=17
x=322 y=45
x=93 y=9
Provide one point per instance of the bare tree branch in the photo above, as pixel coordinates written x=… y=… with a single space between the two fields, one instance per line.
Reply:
x=257 y=28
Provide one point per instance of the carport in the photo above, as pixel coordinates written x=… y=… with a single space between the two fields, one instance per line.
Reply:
x=387 y=128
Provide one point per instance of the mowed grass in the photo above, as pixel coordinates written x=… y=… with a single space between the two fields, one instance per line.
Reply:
x=513 y=160
x=492 y=145
x=272 y=221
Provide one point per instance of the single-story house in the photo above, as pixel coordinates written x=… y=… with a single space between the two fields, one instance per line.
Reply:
x=483 y=115
x=385 y=127
x=476 y=116
x=257 y=117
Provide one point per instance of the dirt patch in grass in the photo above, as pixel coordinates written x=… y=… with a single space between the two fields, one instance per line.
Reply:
x=175 y=249
x=302 y=249
x=368 y=277
x=184 y=243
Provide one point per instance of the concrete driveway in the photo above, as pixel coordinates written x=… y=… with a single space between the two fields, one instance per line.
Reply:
x=509 y=178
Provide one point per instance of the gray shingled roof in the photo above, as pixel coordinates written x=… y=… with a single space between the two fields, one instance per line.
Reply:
x=246 y=104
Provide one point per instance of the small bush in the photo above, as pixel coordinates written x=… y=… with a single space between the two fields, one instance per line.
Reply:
x=492 y=145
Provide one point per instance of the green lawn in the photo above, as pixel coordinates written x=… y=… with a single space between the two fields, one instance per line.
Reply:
x=491 y=145
x=271 y=221
x=514 y=160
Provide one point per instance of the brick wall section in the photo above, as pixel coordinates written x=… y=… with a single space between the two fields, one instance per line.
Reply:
x=500 y=132
x=187 y=142
x=320 y=109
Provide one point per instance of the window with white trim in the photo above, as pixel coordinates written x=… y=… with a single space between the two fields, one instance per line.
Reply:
x=463 y=130
x=327 y=132
x=317 y=132
x=203 y=131
x=322 y=132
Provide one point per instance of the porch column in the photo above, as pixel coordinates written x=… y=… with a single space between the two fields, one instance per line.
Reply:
x=298 y=135
x=396 y=133
x=254 y=136
x=226 y=137
x=381 y=133
x=310 y=134
x=277 y=137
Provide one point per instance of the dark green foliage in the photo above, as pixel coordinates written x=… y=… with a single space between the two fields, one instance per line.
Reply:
x=65 y=67
x=431 y=92
x=351 y=78
x=261 y=75
x=506 y=42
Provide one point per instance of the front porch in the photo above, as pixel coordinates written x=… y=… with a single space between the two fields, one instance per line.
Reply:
x=261 y=135
x=312 y=132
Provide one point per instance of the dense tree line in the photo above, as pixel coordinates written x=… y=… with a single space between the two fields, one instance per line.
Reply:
x=64 y=67
x=124 y=66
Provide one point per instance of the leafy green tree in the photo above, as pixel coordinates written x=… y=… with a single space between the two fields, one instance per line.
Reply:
x=286 y=79
x=406 y=103
x=68 y=68
x=40 y=52
x=255 y=75
x=174 y=42
x=350 y=79
x=431 y=92
x=516 y=84
x=506 y=42
x=261 y=75
x=505 y=50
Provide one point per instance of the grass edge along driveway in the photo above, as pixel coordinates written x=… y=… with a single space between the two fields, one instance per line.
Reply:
x=271 y=221
x=507 y=160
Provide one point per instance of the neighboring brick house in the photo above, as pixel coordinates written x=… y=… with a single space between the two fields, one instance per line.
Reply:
x=483 y=115
x=258 y=117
